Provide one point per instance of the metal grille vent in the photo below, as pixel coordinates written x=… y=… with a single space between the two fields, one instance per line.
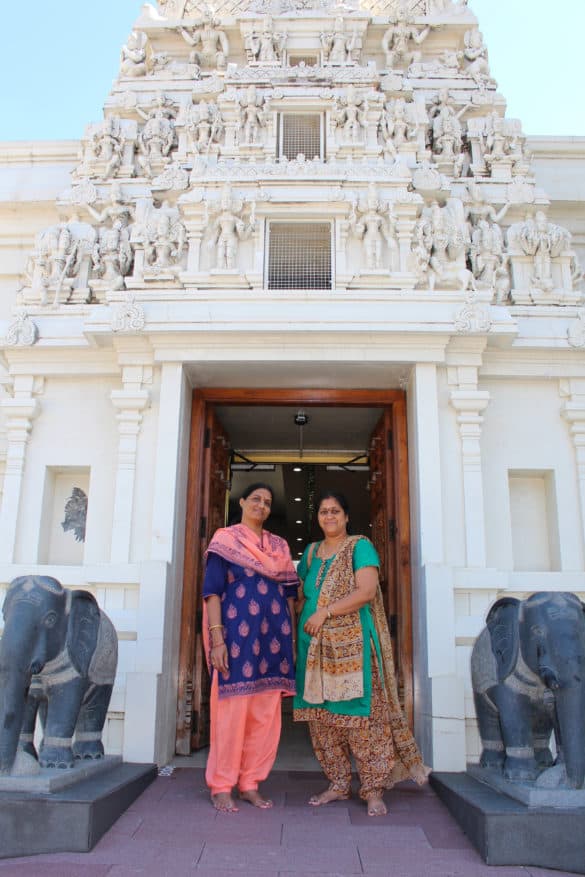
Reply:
x=300 y=134
x=299 y=255
x=307 y=60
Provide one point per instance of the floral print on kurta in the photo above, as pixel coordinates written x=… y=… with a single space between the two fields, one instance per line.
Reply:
x=257 y=628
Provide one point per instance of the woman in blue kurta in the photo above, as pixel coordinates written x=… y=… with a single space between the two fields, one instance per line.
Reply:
x=346 y=688
x=250 y=587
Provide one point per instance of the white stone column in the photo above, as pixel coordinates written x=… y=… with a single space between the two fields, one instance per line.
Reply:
x=469 y=405
x=129 y=402
x=573 y=410
x=463 y=358
x=171 y=423
x=19 y=411
x=427 y=477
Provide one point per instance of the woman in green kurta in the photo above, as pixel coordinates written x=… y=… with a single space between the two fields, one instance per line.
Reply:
x=346 y=688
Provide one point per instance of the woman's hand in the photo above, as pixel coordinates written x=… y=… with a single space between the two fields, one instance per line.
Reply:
x=315 y=622
x=219 y=657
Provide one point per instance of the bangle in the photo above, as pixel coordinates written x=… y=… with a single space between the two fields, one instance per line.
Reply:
x=215 y=627
x=217 y=645
x=329 y=613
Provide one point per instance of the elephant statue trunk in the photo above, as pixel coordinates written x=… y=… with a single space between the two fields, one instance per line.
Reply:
x=58 y=657
x=570 y=707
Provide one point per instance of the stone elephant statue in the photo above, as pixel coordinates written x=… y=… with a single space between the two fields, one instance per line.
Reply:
x=528 y=676
x=58 y=657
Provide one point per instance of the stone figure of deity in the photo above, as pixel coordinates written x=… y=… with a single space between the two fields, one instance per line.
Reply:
x=158 y=136
x=396 y=126
x=398 y=41
x=107 y=145
x=210 y=44
x=267 y=46
x=338 y=46
x=205 y=126
x=544 y=241
x=228 y=228
x=349 y=115
x=373 y=222
x=475 y=53
x=252 y=116
x=136 y=55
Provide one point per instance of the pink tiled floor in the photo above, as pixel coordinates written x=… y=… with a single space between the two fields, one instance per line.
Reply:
x=172 y=830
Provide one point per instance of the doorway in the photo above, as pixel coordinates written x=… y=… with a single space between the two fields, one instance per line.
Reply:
x=351 y=441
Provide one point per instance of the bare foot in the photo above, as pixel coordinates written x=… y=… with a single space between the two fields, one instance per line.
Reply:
x=326 y=797
x=420 y=774
x=376 y=806
x=224 y=802
x=256 y=799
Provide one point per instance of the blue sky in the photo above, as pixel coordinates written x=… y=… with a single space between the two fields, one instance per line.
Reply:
x=57 y=72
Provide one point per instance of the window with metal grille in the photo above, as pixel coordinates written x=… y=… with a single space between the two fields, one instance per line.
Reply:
x=307 y=60
x=299 y=255
x=300 y=133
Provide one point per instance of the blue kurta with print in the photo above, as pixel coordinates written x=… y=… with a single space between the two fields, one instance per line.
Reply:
x=257 y=628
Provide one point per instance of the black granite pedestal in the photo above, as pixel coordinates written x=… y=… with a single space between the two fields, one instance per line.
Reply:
x=507 y=832
x=72 y=819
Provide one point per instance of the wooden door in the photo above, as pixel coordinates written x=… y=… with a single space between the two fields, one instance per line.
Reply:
x=207 y=489
x=390 y=535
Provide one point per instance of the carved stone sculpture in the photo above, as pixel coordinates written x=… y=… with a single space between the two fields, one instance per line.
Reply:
x=349 y=116
x=440 y=243
x=397 y=126
x=475 y=53
x=136 y=56
x=528 y=683
x=205 y=127
x=165 y=237
x=338 y=46
x=228 y=228
x=252 y=116
x=112 y=256
x=398 y=41
x=107 y=145
x=267 y=46
x=544 y=241
x=210 y=44
x=158 y=136
x=373 y=222
x=62 y=259
x=446 y=130
x=58 y=657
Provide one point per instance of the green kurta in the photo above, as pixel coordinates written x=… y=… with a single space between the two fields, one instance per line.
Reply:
x=364 y=554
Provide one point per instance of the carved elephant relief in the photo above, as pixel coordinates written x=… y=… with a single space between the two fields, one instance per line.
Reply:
x=58 y=658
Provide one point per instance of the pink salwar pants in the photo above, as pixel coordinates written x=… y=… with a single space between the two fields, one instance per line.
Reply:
x=244 y=736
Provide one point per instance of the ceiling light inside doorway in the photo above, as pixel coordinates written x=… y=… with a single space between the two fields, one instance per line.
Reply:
x=301 y=419
x=297 y=469
x=298 y=498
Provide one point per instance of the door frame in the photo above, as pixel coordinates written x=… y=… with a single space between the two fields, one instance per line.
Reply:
x=395 y=401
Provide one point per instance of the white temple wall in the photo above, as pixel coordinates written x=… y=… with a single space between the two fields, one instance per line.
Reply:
x=525 y=438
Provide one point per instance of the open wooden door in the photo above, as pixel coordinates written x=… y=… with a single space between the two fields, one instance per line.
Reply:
x=207 y=494
x=391 y=536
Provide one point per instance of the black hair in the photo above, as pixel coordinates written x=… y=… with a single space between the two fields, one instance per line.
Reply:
x=258 y=485
x=338 y=497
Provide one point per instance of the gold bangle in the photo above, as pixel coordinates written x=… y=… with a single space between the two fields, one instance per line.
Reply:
x=215 y=627
x=329 y=613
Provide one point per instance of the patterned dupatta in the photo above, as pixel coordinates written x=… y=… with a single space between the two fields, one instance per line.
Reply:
x=335 y=659
x=267 y=554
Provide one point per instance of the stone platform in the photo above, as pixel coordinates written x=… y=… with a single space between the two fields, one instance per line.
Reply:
x=507 y=832
x=70 y=819
x=49 y=780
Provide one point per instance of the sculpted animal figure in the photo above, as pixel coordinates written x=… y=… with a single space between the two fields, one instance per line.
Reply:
x=528 y=675
x=58 y=657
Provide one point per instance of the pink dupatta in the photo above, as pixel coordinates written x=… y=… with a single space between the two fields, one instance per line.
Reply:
x=267 y=554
